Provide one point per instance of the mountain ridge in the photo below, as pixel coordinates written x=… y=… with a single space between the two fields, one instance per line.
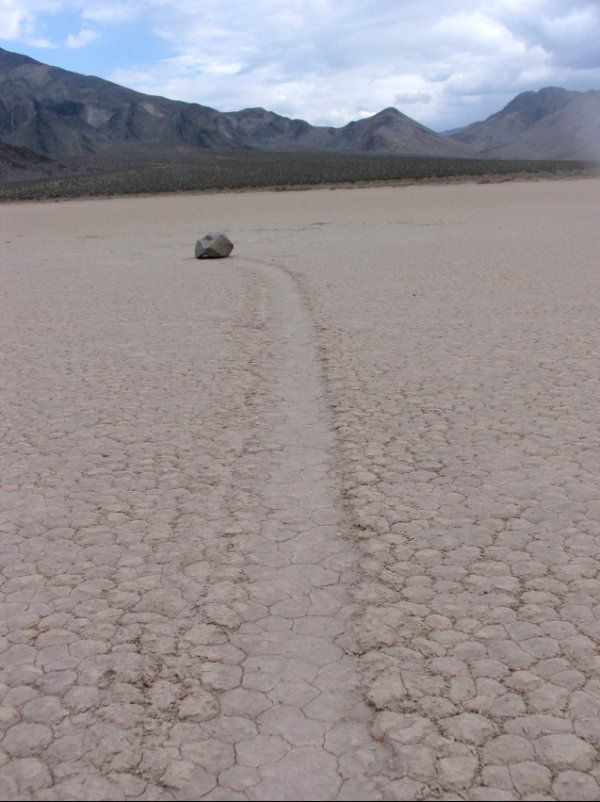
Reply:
x=552 y=123
x=69 y=117
x=60 y=114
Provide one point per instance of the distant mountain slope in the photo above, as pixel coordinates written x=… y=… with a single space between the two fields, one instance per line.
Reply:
x=572 y=132
x=390 y=131
x=22 y=163
x=63 y=114
x=78 y=118
x=60 y=113
x=500 y=133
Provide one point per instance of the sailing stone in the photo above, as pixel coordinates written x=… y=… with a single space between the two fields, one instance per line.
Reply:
x=213 y=246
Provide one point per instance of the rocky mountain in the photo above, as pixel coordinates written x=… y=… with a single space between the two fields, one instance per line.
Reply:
x=572 y=132
x=50 y=112
x=61 y=114
x=389 y=131
x=22 y=163
x=552 y=123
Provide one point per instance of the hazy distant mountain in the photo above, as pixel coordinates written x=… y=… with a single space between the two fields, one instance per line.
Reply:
x=63 y=114
x=533 y=125
x=572 y=132
x=390 y=131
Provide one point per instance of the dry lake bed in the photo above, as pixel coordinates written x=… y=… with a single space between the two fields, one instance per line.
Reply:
x=317 y=521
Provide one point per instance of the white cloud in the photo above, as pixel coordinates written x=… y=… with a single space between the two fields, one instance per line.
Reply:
x=84 y=37
x=18 y=21
x=115 y=11
x=329 y=61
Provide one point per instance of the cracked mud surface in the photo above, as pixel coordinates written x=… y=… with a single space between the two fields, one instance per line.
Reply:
x=318 y=521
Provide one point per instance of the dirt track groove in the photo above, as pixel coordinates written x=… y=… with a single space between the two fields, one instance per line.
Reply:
x=299 y=680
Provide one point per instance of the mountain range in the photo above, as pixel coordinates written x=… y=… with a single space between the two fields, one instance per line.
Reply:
x=552 y=123
x=49 y=114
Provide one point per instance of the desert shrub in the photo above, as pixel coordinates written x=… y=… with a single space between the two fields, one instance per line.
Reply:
x=202 y=170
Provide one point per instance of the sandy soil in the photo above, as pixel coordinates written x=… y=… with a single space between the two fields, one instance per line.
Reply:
x=319 y=521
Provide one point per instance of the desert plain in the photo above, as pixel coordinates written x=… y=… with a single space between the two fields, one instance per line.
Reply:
x=317 y=521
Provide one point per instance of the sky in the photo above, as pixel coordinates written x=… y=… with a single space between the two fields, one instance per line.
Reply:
x=443 y=62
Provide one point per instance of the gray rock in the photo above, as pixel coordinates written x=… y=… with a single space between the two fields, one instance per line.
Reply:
x=213 y=246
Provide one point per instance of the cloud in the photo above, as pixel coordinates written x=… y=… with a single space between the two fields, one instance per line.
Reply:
x=18 y=22
x=330 y=61
x=567 y=32
x=84 y=37
x=404 y=98
x=116 y=11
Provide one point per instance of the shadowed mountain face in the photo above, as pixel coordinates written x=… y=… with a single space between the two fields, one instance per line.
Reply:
x=22 y=163
x=553 y=123
x=59 y=113
x=63 y=114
